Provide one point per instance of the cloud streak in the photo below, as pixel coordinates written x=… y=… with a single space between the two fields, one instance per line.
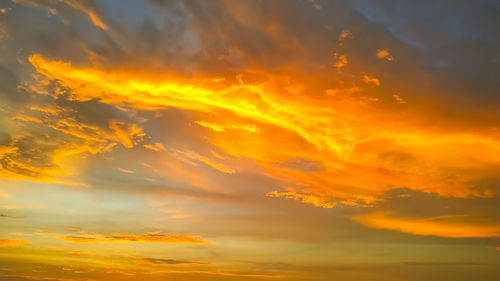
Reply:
x=12 y=242
x=438 y=226
x=135 y=238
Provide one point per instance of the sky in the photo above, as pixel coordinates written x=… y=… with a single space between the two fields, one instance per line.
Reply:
x=249 y=140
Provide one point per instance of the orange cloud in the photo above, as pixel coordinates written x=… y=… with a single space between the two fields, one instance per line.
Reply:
x=345 y=34
x=213 y=126
x=166 y=262
x=195 y=156
x=148 y=238
x=384 y=54
x=357 y=161
x=27 y=118
x=126 y=171
x=306 y=198
x=399 y=99
x=155 y=147
x=221 y=273
x=49 y=110
x=76 y=138
x=371 y=80
x=221 y=128
x=254 y=102
x=341 y=62
x=439 y=226
x=12 y=243
x=80 y=6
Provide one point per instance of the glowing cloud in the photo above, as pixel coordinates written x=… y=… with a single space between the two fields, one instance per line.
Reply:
x=371 y=80
x=155 y=147
x=221 y=128
x=167 y=262
x=80 y=6
x=399 y=99
x=341 y=62
x=384 y=54
x=149 y=238
x=345 y=34
x=249 y=101
x=305 y=198
x=439 y=226
x=12 y=243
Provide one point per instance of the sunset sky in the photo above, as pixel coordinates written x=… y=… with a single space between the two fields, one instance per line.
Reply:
x=249 y=140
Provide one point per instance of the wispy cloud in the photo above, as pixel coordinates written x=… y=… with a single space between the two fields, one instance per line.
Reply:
x=437 y=226
x=317 y=201
x=166 y=262
x=13 y=242
x=134 y=238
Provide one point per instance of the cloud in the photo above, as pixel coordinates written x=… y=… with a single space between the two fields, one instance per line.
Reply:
x=384 y=54
x=57 y=139
x=79 y=5
x=437 y=226
x=255 y=104
x=54 y=8
x=156 y=147
x=187 y=156
x=221 y=128
x=13 y=242
x=126 y=171
x=222 y=273
x=371 y=80
x=401 y=210
x=341 y=62
x=45 y=135
x=163 y=262
x=134 y=238
x=305 y=198
x=399 y=99
x=331 y=132
x=345 y=34
x=248 y=101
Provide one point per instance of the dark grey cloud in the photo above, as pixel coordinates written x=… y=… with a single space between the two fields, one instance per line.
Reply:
x=456 y=41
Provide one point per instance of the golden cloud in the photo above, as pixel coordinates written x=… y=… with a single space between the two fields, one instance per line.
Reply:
x=221 y=128
x=357 y=161
x=246 y=100
x=306 y=198
x=68 y=136
x=439 y=226
x=166 y=262
x=12 y=243
x=148 y=238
